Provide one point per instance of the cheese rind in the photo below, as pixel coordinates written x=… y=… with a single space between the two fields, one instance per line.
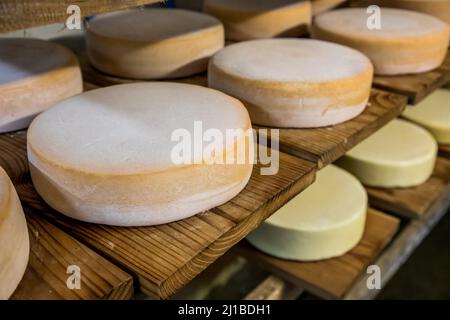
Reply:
x=433 y=113
x=406 y=42
x=153 y=43
x=107 y=156
x=294 y=82
x=319 y=6
x=14 y=240
x=400 y=154
x=326 y=220
x=34 y=75
x=257 y=19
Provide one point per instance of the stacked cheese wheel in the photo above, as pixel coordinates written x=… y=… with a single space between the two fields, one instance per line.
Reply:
x=403 y=42
x=400 y=154
x=14 y=241
x=433 y=114
x=153 y=43
x=140 y=154
x=255 y=19
x=319 y=6
x=324 y=221
x=298 y=83
x=34 y=75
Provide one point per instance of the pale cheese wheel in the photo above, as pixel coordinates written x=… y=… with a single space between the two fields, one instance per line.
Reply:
x=326 y=220
x=407 y=42
x=319 y=6
x=110 y=155
x=34 y=75
x=298 y=83
x=400 y=154
x=433 y=113
x=256 y=19
x=153 y=43
x=14 y=240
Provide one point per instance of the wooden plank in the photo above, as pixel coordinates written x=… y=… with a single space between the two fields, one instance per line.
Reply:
x=331 y=278
x=51 y=252
x=415 y=202
x=325 y=145
x=444 y=150
x=274 y=288
x=21 y=14
x=164 y=258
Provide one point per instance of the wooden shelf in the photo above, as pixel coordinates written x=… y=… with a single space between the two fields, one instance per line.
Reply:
x=444 y=151
x=165 y=258
x=331 y=278
x=51 y=252
x=416 y=202
x=21 y=14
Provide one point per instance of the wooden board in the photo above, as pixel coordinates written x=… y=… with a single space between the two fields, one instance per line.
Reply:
x=331 y=278
x=51 y=252
x=416 y=87
x=274 y=288
x=325 y=145
x=20 y=14
x=164 y=258
x=444 y=150
x=415 y=202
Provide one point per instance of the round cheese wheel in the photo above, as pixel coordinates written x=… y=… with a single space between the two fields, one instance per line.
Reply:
x=433 y=113
x=34 y=75
x=153 y=43
x=256 y=19
x=400 y=154
x=294 y=82
x=326 y=220
x=406 y=42
x=438 y=8
x=121 y=155
x=319 y=6
x=15 y=245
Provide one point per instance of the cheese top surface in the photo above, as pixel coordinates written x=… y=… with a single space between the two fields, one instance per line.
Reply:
x=434 y=110
x=23 y=58
x=334 y=199
x=152 y=24
x=394 y=23
x=290 y=60
x=252 y=5
x=127 y=129
x=399 y=142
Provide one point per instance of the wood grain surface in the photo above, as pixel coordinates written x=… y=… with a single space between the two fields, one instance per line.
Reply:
x=20 y=14
x=444 y=150
x=164 y=258
x=415 y=202
x=325 y=145
x=331 y=278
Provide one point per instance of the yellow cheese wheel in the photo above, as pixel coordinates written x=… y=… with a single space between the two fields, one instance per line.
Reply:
x=14 y=241
x=256 y=19
x=34 y=75
x=319 y=6
x=324 y=221
x=406 y=42
x=140 y=154
x=153 y=43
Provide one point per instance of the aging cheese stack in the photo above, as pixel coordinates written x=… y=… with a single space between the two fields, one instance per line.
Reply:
x=140 y=154
x=298 y=83
x=34 y=75
x=324 y=221
x=404 y=42
x=319 y=6
x=256 y=19
x=433 y=114
x=14 y=241
x=400 y=154
x=153 y=43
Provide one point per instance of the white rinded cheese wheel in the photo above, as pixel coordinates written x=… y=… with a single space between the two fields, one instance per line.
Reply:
x=433 y=114
x=153 y=43
x=400 y=154
x=14 y=241
x=319 y=6
x=106 y=156
x=34 y=75
x=294 y=82
x=407 y=42
x=256 y=19
x=326 y=220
